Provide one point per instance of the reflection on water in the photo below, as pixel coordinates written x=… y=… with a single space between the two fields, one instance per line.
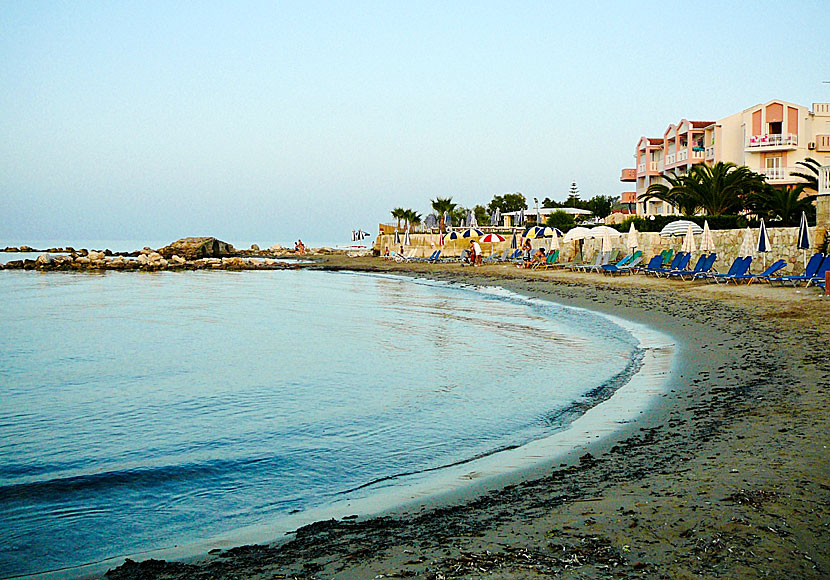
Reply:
x=141 y=411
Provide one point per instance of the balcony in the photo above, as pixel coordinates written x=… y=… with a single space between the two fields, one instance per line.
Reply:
x=772 y=141
x=710 y=152
x=670 y=159
x=822 y=143
x=682 y=155
x=641 y=169
x=628 y=175
x=779 y=173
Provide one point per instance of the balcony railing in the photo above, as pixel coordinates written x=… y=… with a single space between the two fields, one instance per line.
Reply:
x=670 y=159
x=772 y=140
x=641 y=169
x=824 y=180
x=710 y=152
x=823 y=143
x=652 y=166
x=628 y=175
x=778 y=173
x=682 y=155
x=697 y=152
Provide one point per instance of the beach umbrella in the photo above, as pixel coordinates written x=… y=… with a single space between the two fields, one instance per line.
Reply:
x=397 y=238
x=679 y=228
x=406 y=240
x=472 y=233
x=804 y=238
x=600 y=231
x=521 y=219
x=763 y=242
x=430 y=221
x=707 y=242
x=473 y=220
x=747 y=246
x=542 y=232
x=633 y=240
x=606 y=240
x=531 y=232
x=447 y=220
x=514 y=243
x=689 y=241
x=577 y=233
x=554 y=240
x=452 y=235
x=496 y=217
x=492 y=239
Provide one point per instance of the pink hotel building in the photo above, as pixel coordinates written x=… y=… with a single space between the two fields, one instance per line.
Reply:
x=768 y=138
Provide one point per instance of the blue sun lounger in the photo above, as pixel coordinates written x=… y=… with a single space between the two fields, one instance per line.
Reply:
x=748 y=278
x=675 y=264
x=818 y=278
x=809 y=272
x=733 y=269
x=653 y=264
x=739 y=268
x=703 y=264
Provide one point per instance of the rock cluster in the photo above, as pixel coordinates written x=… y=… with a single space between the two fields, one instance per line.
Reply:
x=196 y=248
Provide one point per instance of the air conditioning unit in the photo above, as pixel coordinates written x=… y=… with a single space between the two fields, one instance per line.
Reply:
x=811 y=145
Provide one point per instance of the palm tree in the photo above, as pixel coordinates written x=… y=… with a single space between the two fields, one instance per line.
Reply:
x=442 y=205
x=810 y=178
x=783 y=204
x=411 y=217
x=717 y=190
x=398 y=213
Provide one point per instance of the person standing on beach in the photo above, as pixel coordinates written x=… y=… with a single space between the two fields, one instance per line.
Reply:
x=476 y=252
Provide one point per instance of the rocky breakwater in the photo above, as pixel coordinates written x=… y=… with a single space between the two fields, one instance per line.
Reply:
x=184 y=254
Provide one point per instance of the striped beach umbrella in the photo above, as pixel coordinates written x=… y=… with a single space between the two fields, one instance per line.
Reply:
x=763 y=241
x=679 y=228
x=492 y=239
x=472 y=233
x=453 y=235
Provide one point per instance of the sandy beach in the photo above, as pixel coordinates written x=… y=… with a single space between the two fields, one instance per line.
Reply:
x=725 y=476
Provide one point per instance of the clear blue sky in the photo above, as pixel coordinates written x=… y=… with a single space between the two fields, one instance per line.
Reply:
x=271 y=121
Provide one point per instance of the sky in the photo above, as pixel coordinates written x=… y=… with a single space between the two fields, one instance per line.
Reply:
x=267 y=122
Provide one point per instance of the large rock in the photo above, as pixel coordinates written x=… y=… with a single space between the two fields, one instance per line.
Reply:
x=196 y=248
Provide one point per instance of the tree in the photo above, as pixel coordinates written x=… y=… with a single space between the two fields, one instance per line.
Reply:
x=482 y=217
x=811 y=177
x=548 y=202
x=442 y=205
x=508 y=202
x=600 y=205
x=411 y=217
x=573 y=197
x=719 y=189
x=398 y=214
x=783 y=204
x=560 y=219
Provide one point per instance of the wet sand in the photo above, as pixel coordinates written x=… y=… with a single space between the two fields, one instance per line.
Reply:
x=727 y=475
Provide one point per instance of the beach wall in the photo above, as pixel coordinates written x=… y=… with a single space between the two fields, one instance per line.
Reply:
x=727 y=245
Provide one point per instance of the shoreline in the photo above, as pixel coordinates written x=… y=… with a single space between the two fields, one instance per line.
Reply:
x=725 y=476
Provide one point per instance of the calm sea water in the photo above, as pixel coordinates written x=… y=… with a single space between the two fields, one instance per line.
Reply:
x=140 y=411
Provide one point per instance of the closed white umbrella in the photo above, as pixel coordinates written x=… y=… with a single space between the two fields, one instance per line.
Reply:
x=707 y=241
x=406 y=240
x=633 y=240
x=689 y=241
x=748 y=245
x=554 y=241
x=606 y=240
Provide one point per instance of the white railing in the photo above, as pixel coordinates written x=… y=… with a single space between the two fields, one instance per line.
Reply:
x=710 y=152
x=824 y=180
x=777 y=173
x=641 y=168
x=669 y=158
x=653 y=166
x=697 y=153
x=772 y=140
x=683 y=155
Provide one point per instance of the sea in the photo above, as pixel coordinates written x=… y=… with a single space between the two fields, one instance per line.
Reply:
x=145 y=413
